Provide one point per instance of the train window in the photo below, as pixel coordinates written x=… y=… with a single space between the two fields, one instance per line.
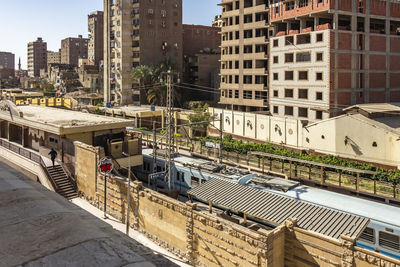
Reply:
x=180 y=176
x=159 y=168
x=194 y=181
x=368 y=235
x=389 y=241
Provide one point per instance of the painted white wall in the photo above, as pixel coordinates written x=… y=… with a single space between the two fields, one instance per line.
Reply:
x=325 y=136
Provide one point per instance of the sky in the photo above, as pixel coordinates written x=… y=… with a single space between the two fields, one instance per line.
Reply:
x=22 y=21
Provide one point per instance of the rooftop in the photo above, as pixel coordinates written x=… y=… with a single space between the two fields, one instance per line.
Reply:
x=380 y=109
x=61 y=121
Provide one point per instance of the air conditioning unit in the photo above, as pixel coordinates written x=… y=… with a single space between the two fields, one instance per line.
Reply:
x=116 y=149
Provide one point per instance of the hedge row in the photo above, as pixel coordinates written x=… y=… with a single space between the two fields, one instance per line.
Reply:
x=240 y=147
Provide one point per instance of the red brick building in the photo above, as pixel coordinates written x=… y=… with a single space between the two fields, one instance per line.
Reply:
x=362 y=65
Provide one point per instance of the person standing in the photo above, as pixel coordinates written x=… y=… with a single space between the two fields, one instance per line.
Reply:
x=53 y=155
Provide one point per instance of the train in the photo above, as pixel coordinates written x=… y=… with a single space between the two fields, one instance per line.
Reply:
x=382 y=234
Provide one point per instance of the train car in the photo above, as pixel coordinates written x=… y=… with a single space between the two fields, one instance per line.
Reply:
x=382 y=234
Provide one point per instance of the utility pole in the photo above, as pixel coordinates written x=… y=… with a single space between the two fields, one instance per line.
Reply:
x=220 y=138
x=170 y=150
x=128 y=194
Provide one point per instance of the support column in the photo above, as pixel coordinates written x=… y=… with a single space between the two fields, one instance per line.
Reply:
x=137 y=189
x=190 y=250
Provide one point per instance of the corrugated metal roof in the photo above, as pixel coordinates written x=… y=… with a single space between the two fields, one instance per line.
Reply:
x=274 y=208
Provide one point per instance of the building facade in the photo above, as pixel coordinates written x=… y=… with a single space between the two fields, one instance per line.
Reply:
x=138 y=33
x=7 y=60
x=54 y=57
x=7 y=65
x=37 y=57
x=217 y=22
x=244 y=55
x=96 y=37
x=328 y=55
x=72 y=49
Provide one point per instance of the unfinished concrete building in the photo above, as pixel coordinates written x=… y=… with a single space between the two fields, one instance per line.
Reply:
x=244 y=55
x=138 y=33
x=329 y=54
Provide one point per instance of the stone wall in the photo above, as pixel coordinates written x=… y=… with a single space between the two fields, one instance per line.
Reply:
x=205 y=239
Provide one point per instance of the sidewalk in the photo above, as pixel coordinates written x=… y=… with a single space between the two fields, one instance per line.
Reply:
x=132 y=233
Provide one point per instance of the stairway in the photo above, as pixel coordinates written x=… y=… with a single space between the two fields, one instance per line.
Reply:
x=65 y=187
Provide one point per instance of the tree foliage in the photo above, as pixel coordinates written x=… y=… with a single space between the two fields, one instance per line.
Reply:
x=201 y=118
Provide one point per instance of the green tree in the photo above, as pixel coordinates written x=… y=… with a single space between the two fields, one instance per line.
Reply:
x=201 y=118
x=48 y=88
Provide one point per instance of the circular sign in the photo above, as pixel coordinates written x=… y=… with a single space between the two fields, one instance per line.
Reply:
x=106 y=166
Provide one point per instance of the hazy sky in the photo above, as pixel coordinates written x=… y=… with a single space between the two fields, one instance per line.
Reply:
x=22 y=21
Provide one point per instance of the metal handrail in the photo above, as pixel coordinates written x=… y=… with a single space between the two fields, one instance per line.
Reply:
x=29 y=155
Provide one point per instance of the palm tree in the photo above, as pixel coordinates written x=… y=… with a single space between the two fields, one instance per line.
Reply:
x=144 y=76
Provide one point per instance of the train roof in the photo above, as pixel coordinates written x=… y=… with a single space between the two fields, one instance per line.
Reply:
x=376 y=211
x=366 y=208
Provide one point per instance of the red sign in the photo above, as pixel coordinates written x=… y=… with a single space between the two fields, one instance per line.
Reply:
x=106 y=166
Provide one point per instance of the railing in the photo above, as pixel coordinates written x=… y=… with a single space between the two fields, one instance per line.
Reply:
x=346 y=180
x=28 y=155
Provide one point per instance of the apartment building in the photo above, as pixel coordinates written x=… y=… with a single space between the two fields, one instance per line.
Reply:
x=37 y=57
x=244 y=55
x=96 y=37
x=217 y=22
x=326 y=55
x=54 y=57
x=138 y=33
x=72 y=49
x=7 y=60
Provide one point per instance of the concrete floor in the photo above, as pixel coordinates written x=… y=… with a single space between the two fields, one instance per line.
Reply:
x=40 y=228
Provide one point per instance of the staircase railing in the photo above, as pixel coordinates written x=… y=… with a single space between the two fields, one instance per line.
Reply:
x=28 y=155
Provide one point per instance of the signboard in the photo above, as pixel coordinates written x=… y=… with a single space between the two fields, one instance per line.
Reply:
x=106 y=166
x=212 y=145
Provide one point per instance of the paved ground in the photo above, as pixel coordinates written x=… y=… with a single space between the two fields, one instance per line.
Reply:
x=40 y=228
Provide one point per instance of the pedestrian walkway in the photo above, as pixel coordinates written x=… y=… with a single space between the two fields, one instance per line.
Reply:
x=139 y=237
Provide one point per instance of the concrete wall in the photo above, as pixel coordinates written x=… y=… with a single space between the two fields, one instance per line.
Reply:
x=326 y=137
x=204 y=239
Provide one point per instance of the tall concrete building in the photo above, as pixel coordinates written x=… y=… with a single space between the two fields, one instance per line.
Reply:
x=37 y=57
x=54 y=57
x=327 y=55
x=244 y=55
x=7 y=60
x=96 y=37
x=72 y=49
x=201 y=55
x=138 y=33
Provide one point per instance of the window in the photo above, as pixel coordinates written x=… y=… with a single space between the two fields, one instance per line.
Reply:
x=389 y=241
x=276 y=109
x=318 y=76
x=289 y=40
x=303 y=112
x=276 y=59
x=289 y=93
x=276 y=43
x=289 y=58
x=318 y=115
x=303 y=93
x=303 y=75
x=303 y=57
x=276 y=76
x=303 y=3
x=303 y=39
x=318 y=96
x=180 y=176
x=288 y=75
x=276 y=93
x=368 y=235
x=236 y=93
x=319 y=56
x=247 y=94
x=289 y=5
x=247 y=64
x=320 y=37
x=194 y=181
x=288 y=111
